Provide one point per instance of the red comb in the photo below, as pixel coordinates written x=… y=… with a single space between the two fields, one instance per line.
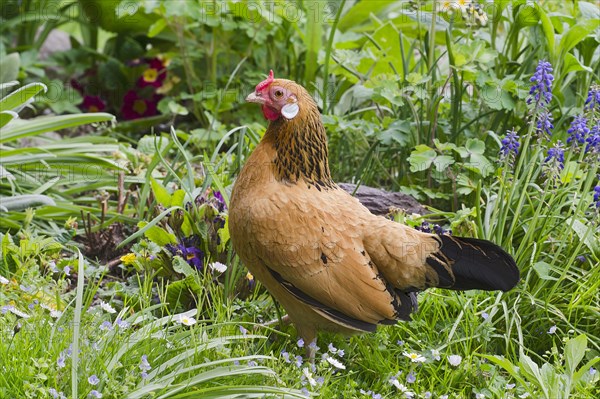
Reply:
x=265 y=82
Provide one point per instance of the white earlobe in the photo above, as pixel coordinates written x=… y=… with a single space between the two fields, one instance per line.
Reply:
x=289 y=111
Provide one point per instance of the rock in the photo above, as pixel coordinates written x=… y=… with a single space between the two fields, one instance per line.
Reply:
x=56 y=42
x=380 y=202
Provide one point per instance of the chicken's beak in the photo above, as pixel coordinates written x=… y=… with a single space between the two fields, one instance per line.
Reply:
x=255 y=98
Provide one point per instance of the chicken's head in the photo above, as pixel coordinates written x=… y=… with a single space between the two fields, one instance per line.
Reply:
x=278 y=97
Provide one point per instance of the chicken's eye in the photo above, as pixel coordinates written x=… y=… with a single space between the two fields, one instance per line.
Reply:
x=278 y=94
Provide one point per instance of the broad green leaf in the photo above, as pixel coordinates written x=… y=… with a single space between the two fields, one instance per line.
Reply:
x=158 y=235
x=160 y=193
x=543 y=270
x=506 y=365
x=313 y=37
x=360 y=13
x=585 y=369
x=421 y=158
x=496 y=97
x=45 y=124
x=9 y=67
x=24 y=201
x=574 y=352
x=477 y=161
x=443 y=146
x=531 y=369
x=581 y=229
x=224 y=235
x=576 y=34
x=6 y=117
x=182 y=294
x=465 y=184
x=157 y=27
x=147 y=145
x=442 y=162
x=481 y=164
x=588 y=9
x=178 y=197
x=153 y=222
x=387 y=58
x=398 y=131
x=21 y=96
x=177 y=109
x=181 y=266
x=527 y=16
x=548 y=29
x=186 y=227
x=572 y=64
x=551 y=380
x=475 y=146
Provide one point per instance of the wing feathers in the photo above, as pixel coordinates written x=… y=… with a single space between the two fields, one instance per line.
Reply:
x=325 y=311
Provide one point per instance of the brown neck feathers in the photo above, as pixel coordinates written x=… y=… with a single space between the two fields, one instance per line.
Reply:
x=301 y=147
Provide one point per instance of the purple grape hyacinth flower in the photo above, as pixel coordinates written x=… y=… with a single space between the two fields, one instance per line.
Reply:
x=593 y=139
x=578 y=130
x=593 y=98
x=510 y=144
x=541 y=91
x=544 y=123
x=556 y=154
x=597 y=196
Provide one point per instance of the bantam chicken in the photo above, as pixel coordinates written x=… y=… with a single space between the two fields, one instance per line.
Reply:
x=331 y=263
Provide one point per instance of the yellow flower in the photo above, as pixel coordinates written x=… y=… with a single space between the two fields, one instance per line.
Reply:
x=150 y=75
x=249 y=276
x=128 y=259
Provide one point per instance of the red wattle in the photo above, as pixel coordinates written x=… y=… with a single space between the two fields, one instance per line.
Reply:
x=270 y=113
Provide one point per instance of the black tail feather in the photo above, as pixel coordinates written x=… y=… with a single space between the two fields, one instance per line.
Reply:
x=474 y=264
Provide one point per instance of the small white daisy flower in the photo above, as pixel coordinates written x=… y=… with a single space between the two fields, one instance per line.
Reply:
x=107 y=308
x=414 y=357
x=402 y=388
x=309 y=377
x=218 y=267
x=185 y=320
x=3 y=280
x=335 y=363
x=54 y=313
x=17 y=312
x=454 y=360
